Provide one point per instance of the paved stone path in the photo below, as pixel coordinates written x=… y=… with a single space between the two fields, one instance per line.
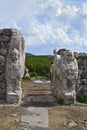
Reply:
x=36 y=116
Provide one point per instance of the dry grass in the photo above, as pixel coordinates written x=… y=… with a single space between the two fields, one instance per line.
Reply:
x=10 y=115
x=58 y=116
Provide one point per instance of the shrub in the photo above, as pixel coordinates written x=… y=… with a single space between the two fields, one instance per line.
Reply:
x=81 y=99
x=60 y=101
x=38 y=65
x=33 y=74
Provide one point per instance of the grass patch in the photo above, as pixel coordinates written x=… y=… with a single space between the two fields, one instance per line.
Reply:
x=81 y=99
x=60 y=101
x=38 y=65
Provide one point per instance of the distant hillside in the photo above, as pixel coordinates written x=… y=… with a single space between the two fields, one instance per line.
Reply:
x=50 y=55
x=29 y=54
x=39 y=65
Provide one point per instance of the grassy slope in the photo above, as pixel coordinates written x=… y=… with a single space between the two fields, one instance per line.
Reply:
x=39 y=65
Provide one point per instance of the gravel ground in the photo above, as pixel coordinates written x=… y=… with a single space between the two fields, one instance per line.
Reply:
x=59 y=117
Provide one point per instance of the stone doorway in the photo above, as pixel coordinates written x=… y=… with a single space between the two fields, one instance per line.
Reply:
x=38 y=94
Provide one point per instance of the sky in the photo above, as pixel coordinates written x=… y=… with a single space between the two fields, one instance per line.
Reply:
x=47 y=24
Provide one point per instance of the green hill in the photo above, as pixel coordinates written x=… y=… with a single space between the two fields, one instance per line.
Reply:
x=38 y=65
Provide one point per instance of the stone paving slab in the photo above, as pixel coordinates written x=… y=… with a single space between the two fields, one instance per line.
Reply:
x=36 y=116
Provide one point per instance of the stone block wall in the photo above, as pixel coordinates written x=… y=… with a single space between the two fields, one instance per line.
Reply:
x=5 y=36
x=82 y=78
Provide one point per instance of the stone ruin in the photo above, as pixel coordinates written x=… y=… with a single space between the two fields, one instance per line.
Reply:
x=69 y=75
x=68 y=71
x=12 y=60
x=81 y=87
x=26 y=73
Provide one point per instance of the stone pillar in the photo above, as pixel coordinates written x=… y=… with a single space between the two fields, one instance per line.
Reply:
x=12 y=60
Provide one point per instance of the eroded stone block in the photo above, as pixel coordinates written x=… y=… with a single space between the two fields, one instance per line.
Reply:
x=14 y=98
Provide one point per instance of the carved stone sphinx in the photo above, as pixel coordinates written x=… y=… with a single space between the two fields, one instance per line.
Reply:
x=13 y=72
x=65 y=73
x=12 y=60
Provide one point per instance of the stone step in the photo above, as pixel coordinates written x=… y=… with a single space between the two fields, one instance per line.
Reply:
x=39 y=87
x=39 y=100
x=39 y=92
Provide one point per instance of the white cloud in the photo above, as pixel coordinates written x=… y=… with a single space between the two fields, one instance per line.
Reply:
x=40 y=33
x=44 y=33
x=10 y=24
x=80 y=41
x=83 y=8
x=63 y=36
x=46 y=22
x=58 y=8
x=70 y=11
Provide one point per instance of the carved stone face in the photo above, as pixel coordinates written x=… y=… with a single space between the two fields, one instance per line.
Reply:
x=14 y=55
x=69 y=56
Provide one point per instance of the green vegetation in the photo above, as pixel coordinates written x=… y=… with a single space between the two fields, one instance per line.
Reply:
x=81 y=99
x=60 y=101
x=38 y=65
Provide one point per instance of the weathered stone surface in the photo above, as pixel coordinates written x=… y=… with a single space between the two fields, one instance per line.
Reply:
x=82 y=79
x=70 y=124
x=57 y=70
x=14 y=98
x=7 y=32
x=12 y=59
x=26 y=73
x=4 y=38
x=82 y=55
x=2 y=90
x=84 y=74
x=3 y=48
x=64 y=73
x=36 y=116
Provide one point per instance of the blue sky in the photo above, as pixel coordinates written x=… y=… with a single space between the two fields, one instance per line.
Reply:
x=47 y=24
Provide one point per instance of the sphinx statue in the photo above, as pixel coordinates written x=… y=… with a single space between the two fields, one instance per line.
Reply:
x=13 y=73
x=15 y=66
x=12 y=65
x=66 y=74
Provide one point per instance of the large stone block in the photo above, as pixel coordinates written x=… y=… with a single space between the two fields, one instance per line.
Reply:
x=14 y=98
x=84 y=75
x=4 y=38
x=84 y=81
x=7 y=32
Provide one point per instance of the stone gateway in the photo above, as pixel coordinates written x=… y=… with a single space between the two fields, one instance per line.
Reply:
x=12 y=65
